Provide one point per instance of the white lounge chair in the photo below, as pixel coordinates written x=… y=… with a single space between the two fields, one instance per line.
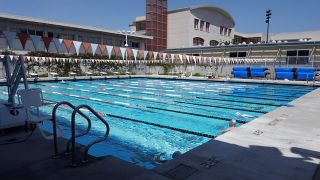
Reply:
x=73 y=74
x=33 y=75
x=127 y=73
x=103 y=73
x=116 y=73
x=88 y=73
x=53 y=74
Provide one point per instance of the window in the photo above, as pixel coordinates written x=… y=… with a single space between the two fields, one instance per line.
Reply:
x=221 y=30
x=31 y=32
x=233 y=54
x=197 y=41
x=39 y=33
x=214 y=43
x=298 y=57
x=201 y=25
x=135 y=45
x=225 y=31
x=238 y=54
x=24 y=31
x=242 y=54
x=207 y=26
x=50 y=34
x=196 y=24
x=229 y=32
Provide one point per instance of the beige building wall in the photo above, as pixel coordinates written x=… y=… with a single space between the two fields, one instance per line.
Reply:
x=181 y=29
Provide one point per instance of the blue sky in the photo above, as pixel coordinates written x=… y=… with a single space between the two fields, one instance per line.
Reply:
x=288 y=15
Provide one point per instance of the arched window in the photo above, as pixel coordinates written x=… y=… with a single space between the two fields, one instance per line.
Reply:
x=197 y=41
x=214 y=43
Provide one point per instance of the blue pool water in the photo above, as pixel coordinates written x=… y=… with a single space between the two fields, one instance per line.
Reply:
x=152 y=116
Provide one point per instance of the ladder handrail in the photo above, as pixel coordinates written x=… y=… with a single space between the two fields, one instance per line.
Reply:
x=73 y=137
x=54 y=125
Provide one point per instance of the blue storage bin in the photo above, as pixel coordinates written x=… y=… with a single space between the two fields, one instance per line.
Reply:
x=284 y=75
x=284 y=69
x=240 y=69
x=306 y=70
x=257 y=69
x=303 y=76
x=240 y=74
x=258 y=74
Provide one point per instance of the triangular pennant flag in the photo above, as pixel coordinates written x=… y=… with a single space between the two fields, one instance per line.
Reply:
x=102 y=49
x=36 y=41
x=109 y=50
x=57 y=43
x=155 y=54
x=86 y=47
x=135 y=53
x=23 y=37
x=67 y=44
x=10 y=36
x=94 y=48
x=123 y=52
x=194 y=59
x=11 y=58
x=172 y=57
x=77 y=45
x=116 y=51
x=188 y=59
x=129 y=50
x=164 y=56
x=150 y=54
x=180 y=57
x=145 y=54
x=47 y=41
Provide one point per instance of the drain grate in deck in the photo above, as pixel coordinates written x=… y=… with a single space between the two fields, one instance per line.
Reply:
x=181 y=172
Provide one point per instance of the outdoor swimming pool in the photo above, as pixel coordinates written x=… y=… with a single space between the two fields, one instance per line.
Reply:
x=152 y=116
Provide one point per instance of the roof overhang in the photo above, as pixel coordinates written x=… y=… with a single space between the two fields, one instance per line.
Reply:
x=66 y=25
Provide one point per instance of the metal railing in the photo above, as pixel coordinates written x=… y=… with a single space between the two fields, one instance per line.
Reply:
x=73 y=131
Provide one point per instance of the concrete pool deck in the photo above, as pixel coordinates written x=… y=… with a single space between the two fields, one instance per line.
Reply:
x=283 y=144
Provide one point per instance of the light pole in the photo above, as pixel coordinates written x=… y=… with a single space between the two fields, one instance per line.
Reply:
x=268 y=17
x=126 y=34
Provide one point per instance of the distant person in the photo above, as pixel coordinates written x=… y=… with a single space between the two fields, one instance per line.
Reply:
x=232 y=126
x=101 y=88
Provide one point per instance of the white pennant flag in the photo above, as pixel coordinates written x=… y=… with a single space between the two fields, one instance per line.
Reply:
x=11 y=58
x=109 y=50
x=135 y=53
x=43 y=59
x=145 y=53
x=205 y=60
x=172 y=57
x=123 y=52
x=36 y=41
x=77 y=45
x=10 y=36
x=188 y=59
x=164 y=55
x=155 y=54
x=94 y=48
x=180 y=57
x=194 y=59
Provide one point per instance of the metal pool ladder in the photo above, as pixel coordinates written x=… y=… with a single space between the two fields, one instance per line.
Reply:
x=76 y=110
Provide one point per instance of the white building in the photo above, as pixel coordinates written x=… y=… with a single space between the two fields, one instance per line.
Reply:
x=204 y=25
